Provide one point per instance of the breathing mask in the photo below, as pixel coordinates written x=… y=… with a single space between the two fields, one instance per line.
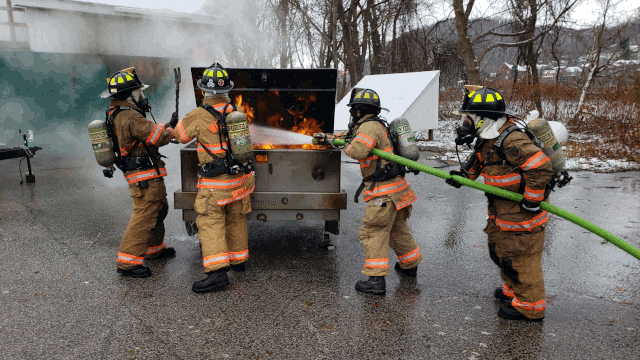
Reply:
x=140 y=100
x=355 y=116
x=468 y=128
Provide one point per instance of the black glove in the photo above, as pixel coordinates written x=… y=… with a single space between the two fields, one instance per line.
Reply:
x=174 y=120
x=564 y=178
x=531 y=206
x=451 y=181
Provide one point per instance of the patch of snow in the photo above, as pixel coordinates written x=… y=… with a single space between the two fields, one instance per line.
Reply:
x=443 y=144
x=600 y=165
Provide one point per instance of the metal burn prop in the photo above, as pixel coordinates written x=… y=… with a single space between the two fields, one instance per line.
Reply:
x=293 y=181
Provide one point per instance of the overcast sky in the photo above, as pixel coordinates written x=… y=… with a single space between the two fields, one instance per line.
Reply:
x=584 y=14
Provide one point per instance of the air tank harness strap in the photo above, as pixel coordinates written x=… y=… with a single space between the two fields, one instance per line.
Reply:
x=497 y=146
x=383 y=173
x=218 y=166
x=127 y=162
x=215 y=167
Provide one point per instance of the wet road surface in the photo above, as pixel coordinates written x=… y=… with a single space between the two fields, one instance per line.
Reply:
x=60 y=296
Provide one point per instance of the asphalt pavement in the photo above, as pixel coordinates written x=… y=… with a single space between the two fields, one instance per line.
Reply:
x=61 y=298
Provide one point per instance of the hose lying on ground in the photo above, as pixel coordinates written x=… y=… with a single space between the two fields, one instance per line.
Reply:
x=625 y=246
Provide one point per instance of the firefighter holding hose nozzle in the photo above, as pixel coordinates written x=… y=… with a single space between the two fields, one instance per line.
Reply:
x=134 y=142
x=225 y=178
x=386 y=191
x=506 y=155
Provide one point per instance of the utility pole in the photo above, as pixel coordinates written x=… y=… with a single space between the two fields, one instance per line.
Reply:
x=11 y=23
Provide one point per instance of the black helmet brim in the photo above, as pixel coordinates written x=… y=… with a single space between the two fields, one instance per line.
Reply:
x=218 y=90
x=507 y=111
x=372 y=105
x=106 y=94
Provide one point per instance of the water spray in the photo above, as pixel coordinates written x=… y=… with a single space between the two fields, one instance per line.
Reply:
x=268 y=135
x=509 y=195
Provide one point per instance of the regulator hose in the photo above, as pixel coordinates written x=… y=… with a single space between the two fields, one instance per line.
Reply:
x=625 y=246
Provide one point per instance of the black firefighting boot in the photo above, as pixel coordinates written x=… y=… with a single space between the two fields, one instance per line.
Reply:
x=138 y=271
x=501 y=296
x=215 y=279
x=508 y=312
x=166 y=252
x=413 y=272
x=237 y=267
x=375 y=285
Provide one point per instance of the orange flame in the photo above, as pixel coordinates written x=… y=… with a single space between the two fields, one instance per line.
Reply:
x=273 y=116
x=246 y=109
x=305 y=146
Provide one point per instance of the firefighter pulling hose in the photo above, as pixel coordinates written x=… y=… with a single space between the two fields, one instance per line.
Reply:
x=625 y=246
x=388 y=195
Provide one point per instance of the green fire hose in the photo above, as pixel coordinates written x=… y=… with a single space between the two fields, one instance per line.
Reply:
x=625 y=246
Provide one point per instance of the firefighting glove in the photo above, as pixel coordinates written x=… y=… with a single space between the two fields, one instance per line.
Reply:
x=531 y=206
x=323 y=139
x=174 y=120
x=319 y=139
x=563 y=179
x=451 y=181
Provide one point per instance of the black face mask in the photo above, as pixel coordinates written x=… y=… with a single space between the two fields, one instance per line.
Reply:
x=355 y=113
x=355 y=116
x=466 y=132
x=143 y=104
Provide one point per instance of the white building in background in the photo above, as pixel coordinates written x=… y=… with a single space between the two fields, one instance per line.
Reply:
x=13 y=28
x=413 y=96
x=66 y=26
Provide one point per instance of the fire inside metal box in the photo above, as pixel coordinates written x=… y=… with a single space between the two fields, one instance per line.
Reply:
x=293 y=182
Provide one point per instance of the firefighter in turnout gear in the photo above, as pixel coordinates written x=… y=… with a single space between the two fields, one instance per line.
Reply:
x=136 y=143
x=223 y=198
x=386 y=192
x=507 y=157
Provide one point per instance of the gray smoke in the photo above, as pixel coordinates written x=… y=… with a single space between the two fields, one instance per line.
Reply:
x=233 y=33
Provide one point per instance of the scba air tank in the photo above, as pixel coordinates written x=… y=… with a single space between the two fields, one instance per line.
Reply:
x=101 y=143
x=552 y=144
x=404 y=138
x=239 y=137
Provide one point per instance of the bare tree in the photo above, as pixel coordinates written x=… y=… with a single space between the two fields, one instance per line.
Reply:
x=555 y=43
x=599 y=62
x=497 y=38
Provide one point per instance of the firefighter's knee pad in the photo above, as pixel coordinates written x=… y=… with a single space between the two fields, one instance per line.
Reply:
x=507 y=269
x=493 y=255
x=162 y=213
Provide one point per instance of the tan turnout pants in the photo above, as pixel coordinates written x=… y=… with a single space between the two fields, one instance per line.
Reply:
x=385 y=227
x=144 y=237
x=519 y=257
x=222 y=231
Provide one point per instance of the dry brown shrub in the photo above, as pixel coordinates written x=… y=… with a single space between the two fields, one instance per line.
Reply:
x=609 y=127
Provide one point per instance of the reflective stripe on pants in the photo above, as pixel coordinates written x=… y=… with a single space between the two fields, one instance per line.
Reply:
x=142 y=238
x=222 y=231
x=385 y=227
x=519 y=256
